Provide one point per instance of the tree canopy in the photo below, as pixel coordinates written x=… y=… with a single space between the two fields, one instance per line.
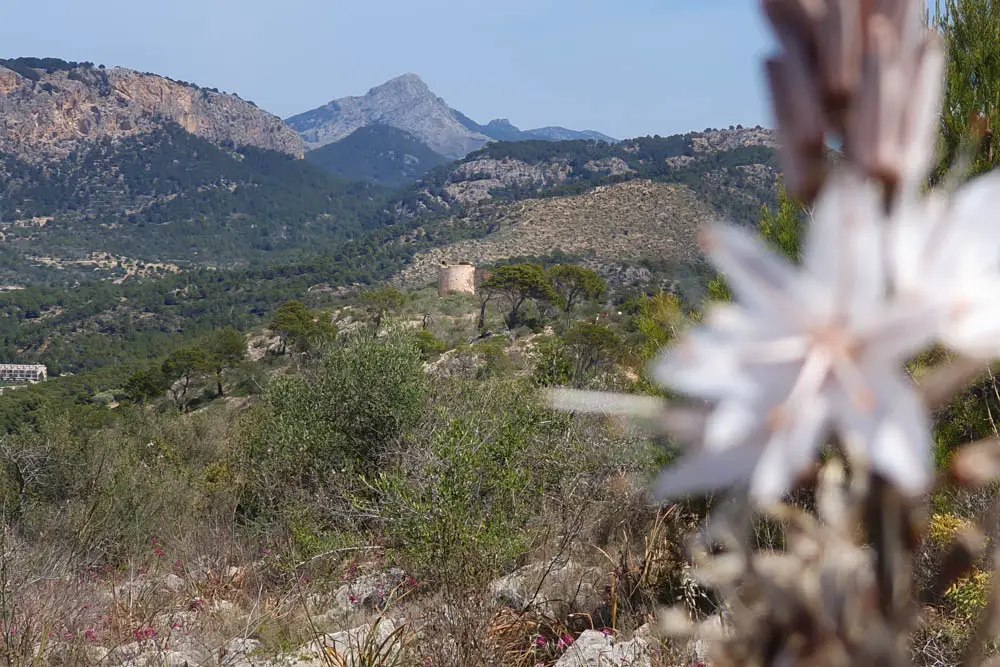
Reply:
x=575 y=283
x=517 y=284
x=971 y=110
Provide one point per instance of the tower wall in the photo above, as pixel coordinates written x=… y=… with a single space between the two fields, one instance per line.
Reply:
x=456 y=279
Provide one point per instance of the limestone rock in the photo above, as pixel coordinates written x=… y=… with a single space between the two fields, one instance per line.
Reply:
x=473 y=180
x=595 y=649
x=173 y=583
x=369 y=591
x=405 y=103
x=348 y=647
x=68 y=108
x=553 y=588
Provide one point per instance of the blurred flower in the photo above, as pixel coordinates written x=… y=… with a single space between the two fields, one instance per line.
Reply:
x=863 y=70
x=945 y=253
x=803 y=351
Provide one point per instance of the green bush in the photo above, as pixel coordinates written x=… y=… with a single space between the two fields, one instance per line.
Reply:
x=554 y=365
x=429 y=345
x=462 y=503
x=312 y=431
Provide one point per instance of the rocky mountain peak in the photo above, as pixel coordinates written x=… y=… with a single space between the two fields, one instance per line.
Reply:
x=405 y=85
x=50 y=108
x=405 y=103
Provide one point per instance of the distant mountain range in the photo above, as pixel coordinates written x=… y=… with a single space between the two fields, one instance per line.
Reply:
x=501 y=129
x=105 y=172
x=407 y=104
x=50 y=109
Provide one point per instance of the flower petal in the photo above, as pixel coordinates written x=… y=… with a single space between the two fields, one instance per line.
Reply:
x=901 y=445
x=762 y=281
x=730 y=423
x=972 y=326
x=894 y=438
x=703 y=365
x=706 y=472
x=844 y=250
x=790 y=451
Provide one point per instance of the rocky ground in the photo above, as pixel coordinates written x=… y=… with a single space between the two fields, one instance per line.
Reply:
x=378 y=618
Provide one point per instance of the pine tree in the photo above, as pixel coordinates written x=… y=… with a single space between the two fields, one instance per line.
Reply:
x=971 y=112
x=785 y=230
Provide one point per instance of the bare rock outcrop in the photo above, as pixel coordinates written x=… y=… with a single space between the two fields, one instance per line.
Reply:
x=405 y=103
x=69 y=107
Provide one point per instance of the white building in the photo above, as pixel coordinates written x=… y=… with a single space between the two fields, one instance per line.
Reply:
x=21 y=373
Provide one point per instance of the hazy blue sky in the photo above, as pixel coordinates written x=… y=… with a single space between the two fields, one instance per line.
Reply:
x=624 y=67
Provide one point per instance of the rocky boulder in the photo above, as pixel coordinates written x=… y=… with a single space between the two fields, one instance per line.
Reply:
x=372 y=643
x=596 y=649
x=555 y=588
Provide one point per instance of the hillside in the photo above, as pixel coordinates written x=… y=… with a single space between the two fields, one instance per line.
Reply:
x=635 y=220
x=51 y=108
x=168 y=195
x=379 y=154
x=641 y=200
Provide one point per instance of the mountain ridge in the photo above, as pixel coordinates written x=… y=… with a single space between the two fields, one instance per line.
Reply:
x=51 y=108
x=407 y=103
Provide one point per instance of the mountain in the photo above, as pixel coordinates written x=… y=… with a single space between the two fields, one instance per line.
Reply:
x=50 y=108
x=170 y=196
x=640 y=200
x=377 y=153
x=556 y=133
x=502 y=129
x=105 y=173
x=405 y=103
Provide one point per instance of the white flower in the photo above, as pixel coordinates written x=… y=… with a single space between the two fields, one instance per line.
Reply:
x=803 y=351
x=806 y=350
x=945 y=254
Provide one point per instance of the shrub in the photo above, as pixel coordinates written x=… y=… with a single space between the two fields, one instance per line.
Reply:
x=428 y=344
x=554 y=365
x=462 y=504
x=970 y=594
x=313 y=430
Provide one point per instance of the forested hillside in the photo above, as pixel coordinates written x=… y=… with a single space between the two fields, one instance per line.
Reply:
x=171 y=196
x=377 y=153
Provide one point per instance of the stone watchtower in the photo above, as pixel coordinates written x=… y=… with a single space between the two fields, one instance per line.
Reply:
x=456 y=278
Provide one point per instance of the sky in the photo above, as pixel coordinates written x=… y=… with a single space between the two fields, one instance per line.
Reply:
x=623 y=67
